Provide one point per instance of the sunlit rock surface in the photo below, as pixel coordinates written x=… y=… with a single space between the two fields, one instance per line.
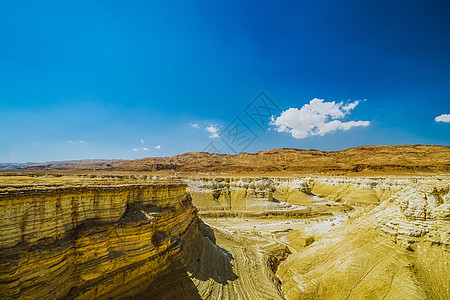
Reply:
x=90 y=241
x=246 y=197
x=397 y=250
x=140 y=237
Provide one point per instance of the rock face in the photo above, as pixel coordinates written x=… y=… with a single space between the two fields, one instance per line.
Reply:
x=28 y=215
x=93 y=242
x=241 y=196
x=397 y=250
x=356 y=191
x=238 y=194
x=423 y=214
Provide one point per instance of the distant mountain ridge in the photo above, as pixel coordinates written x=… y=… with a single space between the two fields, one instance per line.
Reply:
x=52 y=164
x=366 y=159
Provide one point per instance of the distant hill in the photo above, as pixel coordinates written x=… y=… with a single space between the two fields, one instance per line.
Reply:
x=58 y=164
x=366 y=159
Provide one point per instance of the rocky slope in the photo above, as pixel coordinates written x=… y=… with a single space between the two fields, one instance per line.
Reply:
x=404 y=159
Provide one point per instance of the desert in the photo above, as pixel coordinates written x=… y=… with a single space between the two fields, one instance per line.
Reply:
x=79 y=234
x=224 y=150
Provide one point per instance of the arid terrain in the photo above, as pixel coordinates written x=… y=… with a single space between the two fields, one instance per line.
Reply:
x=225 y=150
x=363 y=160
x=143 y=230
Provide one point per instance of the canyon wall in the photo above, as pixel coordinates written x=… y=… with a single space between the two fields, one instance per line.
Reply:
x=273 y=193
x=396 y=250
x=258 y=197
x=93 y=241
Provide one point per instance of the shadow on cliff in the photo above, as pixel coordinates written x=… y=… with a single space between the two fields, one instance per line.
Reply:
x=174 y=283
x=203 y=264
x=212 y=261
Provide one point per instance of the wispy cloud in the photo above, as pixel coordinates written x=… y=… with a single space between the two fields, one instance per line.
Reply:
x=213 y=130
x=316 y=118
x=158 y=147
x=76 y=142
x=140 y=149
x=443 y=118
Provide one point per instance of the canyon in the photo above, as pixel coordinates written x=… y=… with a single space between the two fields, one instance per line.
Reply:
x=150 y=236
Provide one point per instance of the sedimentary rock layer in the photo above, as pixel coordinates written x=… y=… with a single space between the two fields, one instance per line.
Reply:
x=100 y=237
x=28 y=215
x=397 y=250
x=247 y=197
x=395 y=246
x=91 y=242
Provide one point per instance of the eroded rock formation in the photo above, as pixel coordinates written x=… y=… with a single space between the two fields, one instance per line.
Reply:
x=257 y=197
x=394 y=246
x=137 y=237
x=398 y=250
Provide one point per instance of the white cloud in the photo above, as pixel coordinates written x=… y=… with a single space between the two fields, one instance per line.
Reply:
x=158 y=147
x=213 y=129
x=350 y=106
x=76 y=142
x=316 y=118
x=140 y=149
x=443 y=118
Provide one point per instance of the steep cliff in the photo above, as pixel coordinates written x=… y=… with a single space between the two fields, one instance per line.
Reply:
x=100 y=241
x=92 y=241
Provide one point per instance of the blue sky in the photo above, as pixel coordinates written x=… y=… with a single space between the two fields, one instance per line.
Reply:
x=115 y=79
